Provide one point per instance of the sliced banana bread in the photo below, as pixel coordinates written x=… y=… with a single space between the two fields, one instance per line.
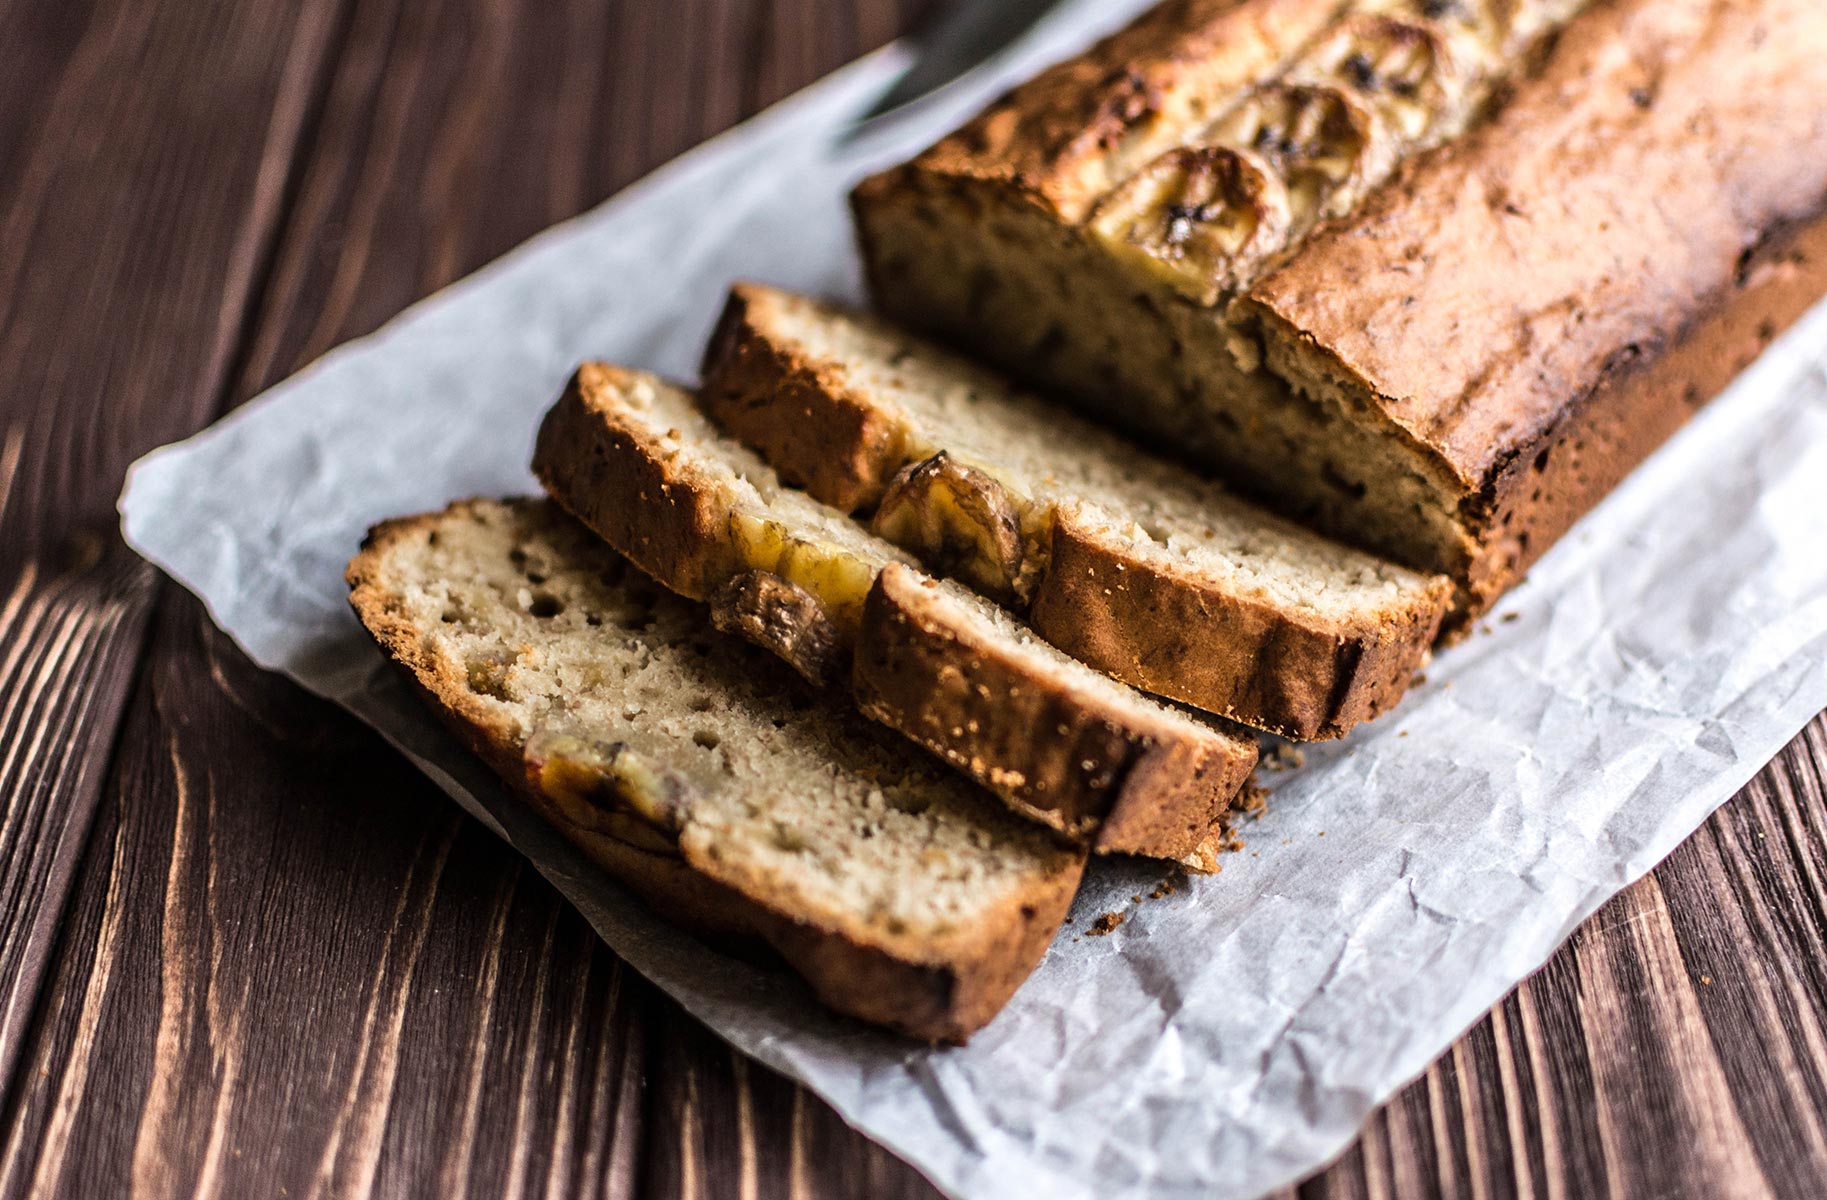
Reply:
x=638 y=462
x=733 y=797
x=1134 y=565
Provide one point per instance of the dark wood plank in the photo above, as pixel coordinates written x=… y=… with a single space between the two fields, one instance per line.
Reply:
x=144 y=157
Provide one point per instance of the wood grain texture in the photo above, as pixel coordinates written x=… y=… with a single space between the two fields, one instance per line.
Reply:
x=127 y=262
x=285 y=964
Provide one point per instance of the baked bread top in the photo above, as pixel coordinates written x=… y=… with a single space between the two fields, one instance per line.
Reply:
x=1073 y=132
x=1206 y=140
x=1627 y=187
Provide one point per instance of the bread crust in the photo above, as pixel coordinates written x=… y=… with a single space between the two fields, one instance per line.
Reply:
x=943 y=995
x=1158 y=786
x=765 y=396
x=605 y=475
x=1611 y=296
x=1634 y=408
x=1067 y=136
x=1253 y=661
x=1519 y=317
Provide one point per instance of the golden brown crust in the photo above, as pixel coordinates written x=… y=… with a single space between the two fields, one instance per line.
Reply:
x=1067 y=136
x=1636 y=246
x=1126 y=783
x=1605 y=217
x=1518 y=318
x=944 y=995
x=603 y=472
x=1636 y=407
x=1251 y=660
x=765 y=396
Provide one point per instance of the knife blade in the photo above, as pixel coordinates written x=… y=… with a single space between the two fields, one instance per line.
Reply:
x=963 y=35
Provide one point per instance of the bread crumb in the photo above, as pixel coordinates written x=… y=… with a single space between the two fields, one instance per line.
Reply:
x=1106 y=924
x=1284 y=757
x=1166 y=887
x=1707 y=979
x=1510 y=617
x=1420 y=679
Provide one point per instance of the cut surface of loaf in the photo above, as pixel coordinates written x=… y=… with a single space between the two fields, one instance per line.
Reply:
x=1130 y=563
x=639 y=463
x=1465 y=353
x=731 y=795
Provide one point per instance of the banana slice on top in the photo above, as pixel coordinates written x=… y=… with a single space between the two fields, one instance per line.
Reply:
x=1410 y=72
x=1200 y=218
x=1322 y=141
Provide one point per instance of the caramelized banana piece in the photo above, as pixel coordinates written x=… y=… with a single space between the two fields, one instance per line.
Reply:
x=779 y=615
x=607 y=788
x=1486 y=22
x=838 y=578
x=960 y=523
x=1200 y=218
x=1322 y=141
x=1502 y=27
x=1412 y=75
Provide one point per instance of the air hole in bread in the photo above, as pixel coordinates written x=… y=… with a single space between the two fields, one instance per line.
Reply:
x=706 y=738
x=789 y=839
x=545 y=606
x=487 y=675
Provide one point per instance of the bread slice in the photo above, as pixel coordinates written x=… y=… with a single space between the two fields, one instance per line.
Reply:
x=1099 y=760
x=732 y=796
x=1135 y=566
x=637 y=461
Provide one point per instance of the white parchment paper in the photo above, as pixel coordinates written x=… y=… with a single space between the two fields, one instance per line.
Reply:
x=1226 y=1039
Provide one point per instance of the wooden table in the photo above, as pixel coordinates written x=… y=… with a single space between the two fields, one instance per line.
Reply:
x=246 y=951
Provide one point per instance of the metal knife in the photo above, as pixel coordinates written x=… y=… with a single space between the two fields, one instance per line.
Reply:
x=959 y=37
